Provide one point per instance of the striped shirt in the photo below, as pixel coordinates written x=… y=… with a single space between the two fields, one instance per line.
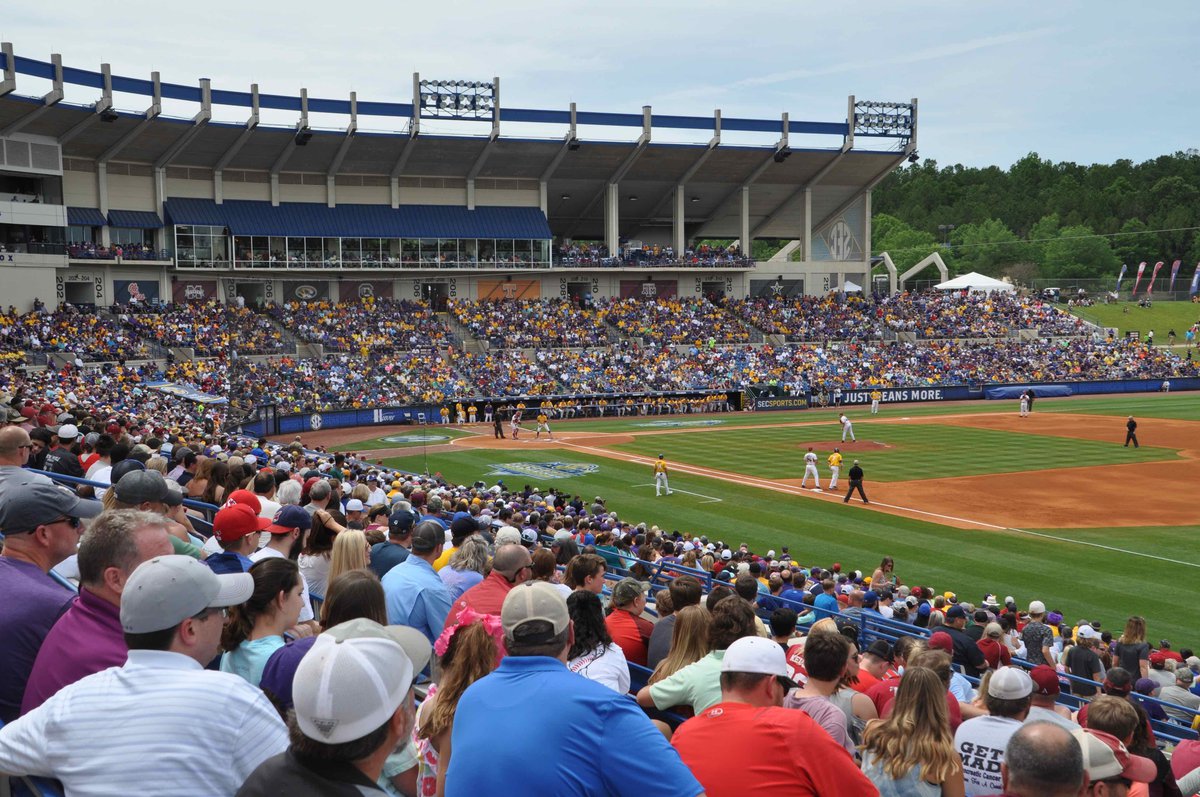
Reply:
x=160 y=725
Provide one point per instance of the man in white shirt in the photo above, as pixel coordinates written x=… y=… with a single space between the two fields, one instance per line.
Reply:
x=981 y=741
x=134 y=729
x=377 y=496
x=286 y=532
x=264 y=489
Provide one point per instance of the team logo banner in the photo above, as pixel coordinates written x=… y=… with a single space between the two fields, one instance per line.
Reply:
x=1174 y=271
x=187 y=392
x=1153 y=277
x=1121 y=276
x=1195 y=282
x=1141 y=270
x=543 y=470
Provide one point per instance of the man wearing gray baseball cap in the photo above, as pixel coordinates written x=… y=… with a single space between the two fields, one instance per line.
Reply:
x=41 y=523
x=172 y=613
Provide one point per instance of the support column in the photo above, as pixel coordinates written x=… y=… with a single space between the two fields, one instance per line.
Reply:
x=677 y=221
x=102 y=194
x=612 y=221
x=807 y=228
x=744 y=239
x=544 y=196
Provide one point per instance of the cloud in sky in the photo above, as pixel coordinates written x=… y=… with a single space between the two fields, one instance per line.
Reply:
x=1080 y=80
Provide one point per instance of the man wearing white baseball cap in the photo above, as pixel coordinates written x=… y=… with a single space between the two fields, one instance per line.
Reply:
x=774 y=748
x=134 y=729
x=524 y=722
x=981 y=740
x=353 y=706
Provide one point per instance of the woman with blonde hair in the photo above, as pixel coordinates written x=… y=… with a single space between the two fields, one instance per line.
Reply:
x=689 y=642
x=911 y=753
x=350 y=552
x=199 y=482
x=1132 y=651
x=467 y=566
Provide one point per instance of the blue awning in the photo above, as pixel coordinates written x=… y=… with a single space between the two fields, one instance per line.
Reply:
x=300 y=219
x=85 y=217
x=134 y=219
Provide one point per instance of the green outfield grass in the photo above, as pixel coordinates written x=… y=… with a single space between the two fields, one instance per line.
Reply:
x=1103 y=574
x=1161 y=317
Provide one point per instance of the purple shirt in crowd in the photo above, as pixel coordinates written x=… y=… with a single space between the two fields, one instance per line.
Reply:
x=30 y=603
x=85 y=640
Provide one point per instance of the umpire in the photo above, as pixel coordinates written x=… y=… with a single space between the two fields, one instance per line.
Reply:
x=1131 y=432
x=856 y=480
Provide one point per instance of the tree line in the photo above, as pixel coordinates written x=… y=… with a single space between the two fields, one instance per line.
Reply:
x=1042 y=219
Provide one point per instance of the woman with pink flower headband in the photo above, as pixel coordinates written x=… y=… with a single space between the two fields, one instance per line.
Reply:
x=466 y=651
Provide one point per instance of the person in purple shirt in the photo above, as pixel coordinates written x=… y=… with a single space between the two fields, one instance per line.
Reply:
x=88 y=637
x=41 y=524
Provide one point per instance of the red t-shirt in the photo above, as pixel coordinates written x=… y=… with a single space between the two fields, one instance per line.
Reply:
x=865 y=681
x=632 y=634
x=735 y=749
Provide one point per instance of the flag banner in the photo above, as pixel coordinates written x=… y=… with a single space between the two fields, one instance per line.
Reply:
x=1141 y=270
x=1174 y=271
x=1153 y=277
x=1195 y=281
x=1121 y=276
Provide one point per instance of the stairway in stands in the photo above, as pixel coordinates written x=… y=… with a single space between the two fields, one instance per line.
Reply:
x=460 y=335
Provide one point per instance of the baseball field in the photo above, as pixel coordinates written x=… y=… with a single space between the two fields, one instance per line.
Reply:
x=967 y=497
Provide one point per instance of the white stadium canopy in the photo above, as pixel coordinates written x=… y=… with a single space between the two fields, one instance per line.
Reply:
x=975 y=282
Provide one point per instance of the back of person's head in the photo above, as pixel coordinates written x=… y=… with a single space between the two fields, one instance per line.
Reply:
x=828 y=585
x=354 y=594
x=320 y=491
x=783 y=622
x=112 y=541
x=472 y=554
x=917 y=731
x=826 y=655
x=320 y=537
x=907 y=647
x=1112 y=715
x=746 y=587
x=288 y=493
x=104 y=445
x=349 y=552
x=587 y=614
x=1117 y=682
x=1043 y=760
x=685 y=591
x=272 y=576
x=1135 y=631
x=1009 y=693
x=535 y=620
x=583 y=567
x=264 y=482
x=469 y=652
x=716 y=596
x=731 y=620
x=544 y=565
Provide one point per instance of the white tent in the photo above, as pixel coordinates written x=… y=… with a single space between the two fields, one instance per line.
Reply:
x=976 y=283
x=850 y=287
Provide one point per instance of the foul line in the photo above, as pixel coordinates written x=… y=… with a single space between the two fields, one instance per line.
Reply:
x=767 y=484
x=710 y=500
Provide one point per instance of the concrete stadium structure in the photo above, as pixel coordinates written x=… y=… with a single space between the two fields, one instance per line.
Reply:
x=99 y=204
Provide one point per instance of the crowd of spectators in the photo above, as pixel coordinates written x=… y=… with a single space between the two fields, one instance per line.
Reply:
x=210 y=328
x=70 y=330
x=365 y=325
x=502 y=373
x=597 y=254
x=537 y=323
x=693 y=321
x=92 y=251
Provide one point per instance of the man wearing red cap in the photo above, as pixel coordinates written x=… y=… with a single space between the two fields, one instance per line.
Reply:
x=236 y=527
x=1044 y=706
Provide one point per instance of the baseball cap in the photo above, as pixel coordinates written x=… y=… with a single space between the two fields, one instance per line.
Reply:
x=243 y=498
x=507 y=535
x=1105 y=756
x=39 y=502
x=401 y=522
x=529 y=537
x=880 y=649
x=1045 y=680
x=627 y=589
x=940 y=640
x=1010 y=683
x=726 y=554
x=68 y=431
x=415 y=645
x=755 y=654
x=993 y=630
x=235 y=522
x=1158 y=657
x=1037 y=607
x=166 y=590
x=123 y=467
x=288 y=519
x=427 y=536
x=345 y=689
x=354 y=505
x=955 y=612
x=140 y=486
x=533 y=600
x=1086 y=632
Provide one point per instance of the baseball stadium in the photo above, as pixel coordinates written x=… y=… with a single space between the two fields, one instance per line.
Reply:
x=555 y=318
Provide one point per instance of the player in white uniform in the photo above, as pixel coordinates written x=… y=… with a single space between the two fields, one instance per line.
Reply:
x=514 y=426
x=810 y=469
x=847 y=428
x=1024 y=405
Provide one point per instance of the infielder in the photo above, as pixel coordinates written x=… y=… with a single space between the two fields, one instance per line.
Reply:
x=514 y=425
x=876 y=395
x=835 y=467
x=1024 y=405
x=810 y=469
x=847 y=428
x=660 y=477
x=543 y=425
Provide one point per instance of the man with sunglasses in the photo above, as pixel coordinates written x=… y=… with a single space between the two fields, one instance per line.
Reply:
x=15 y=450
x=41 y=527
x=172 y=611
x=512 y=565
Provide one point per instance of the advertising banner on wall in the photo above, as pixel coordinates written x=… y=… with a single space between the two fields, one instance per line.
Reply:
x=189 y=290
x=776 y=288
x=510 y=289
x=135 y=291
x=649 y=289
x=305 y=290
x=352 y=290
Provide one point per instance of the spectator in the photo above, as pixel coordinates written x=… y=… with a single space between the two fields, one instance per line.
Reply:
x=593 y=653
x=981 y=741
x=394 y=550
x=287 y=532
x=775 y=749
x=1132 y=651
x=966 y=653
x=41 y=524
x=15 y=447
x=1044 y=705
x=416 y=596
x=340 y=742
x=316 y=556
x=912 y=751
x=995 y=653
x=512 y=565
x=1110 y=766
x=628 y=628
x=172 y=611
x=255 y=629
x=1180 y=694
x=88 y=637
x=351 y=551
x=826 y=660
x=467 y=566
x=587 y=572
x=60 y=458
x=689 y=642
x=489 y=721
x=1042 y=760
x=237 y=528
x=467 y=651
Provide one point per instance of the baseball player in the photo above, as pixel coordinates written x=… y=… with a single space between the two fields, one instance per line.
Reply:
x=460 y=414
x=1024 y=405
x=660 y=476
x=472 y=412
x=876 y=395
x=514 y=425
x=543 y=425
x=847 y=428
x=810 y=469
x=835 y=467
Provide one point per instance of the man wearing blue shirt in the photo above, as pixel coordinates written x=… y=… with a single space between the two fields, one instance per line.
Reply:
x=533 y=711
x=827 y=600
x=416 y=595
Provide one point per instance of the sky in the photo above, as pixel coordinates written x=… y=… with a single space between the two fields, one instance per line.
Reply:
x=1089 y=82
